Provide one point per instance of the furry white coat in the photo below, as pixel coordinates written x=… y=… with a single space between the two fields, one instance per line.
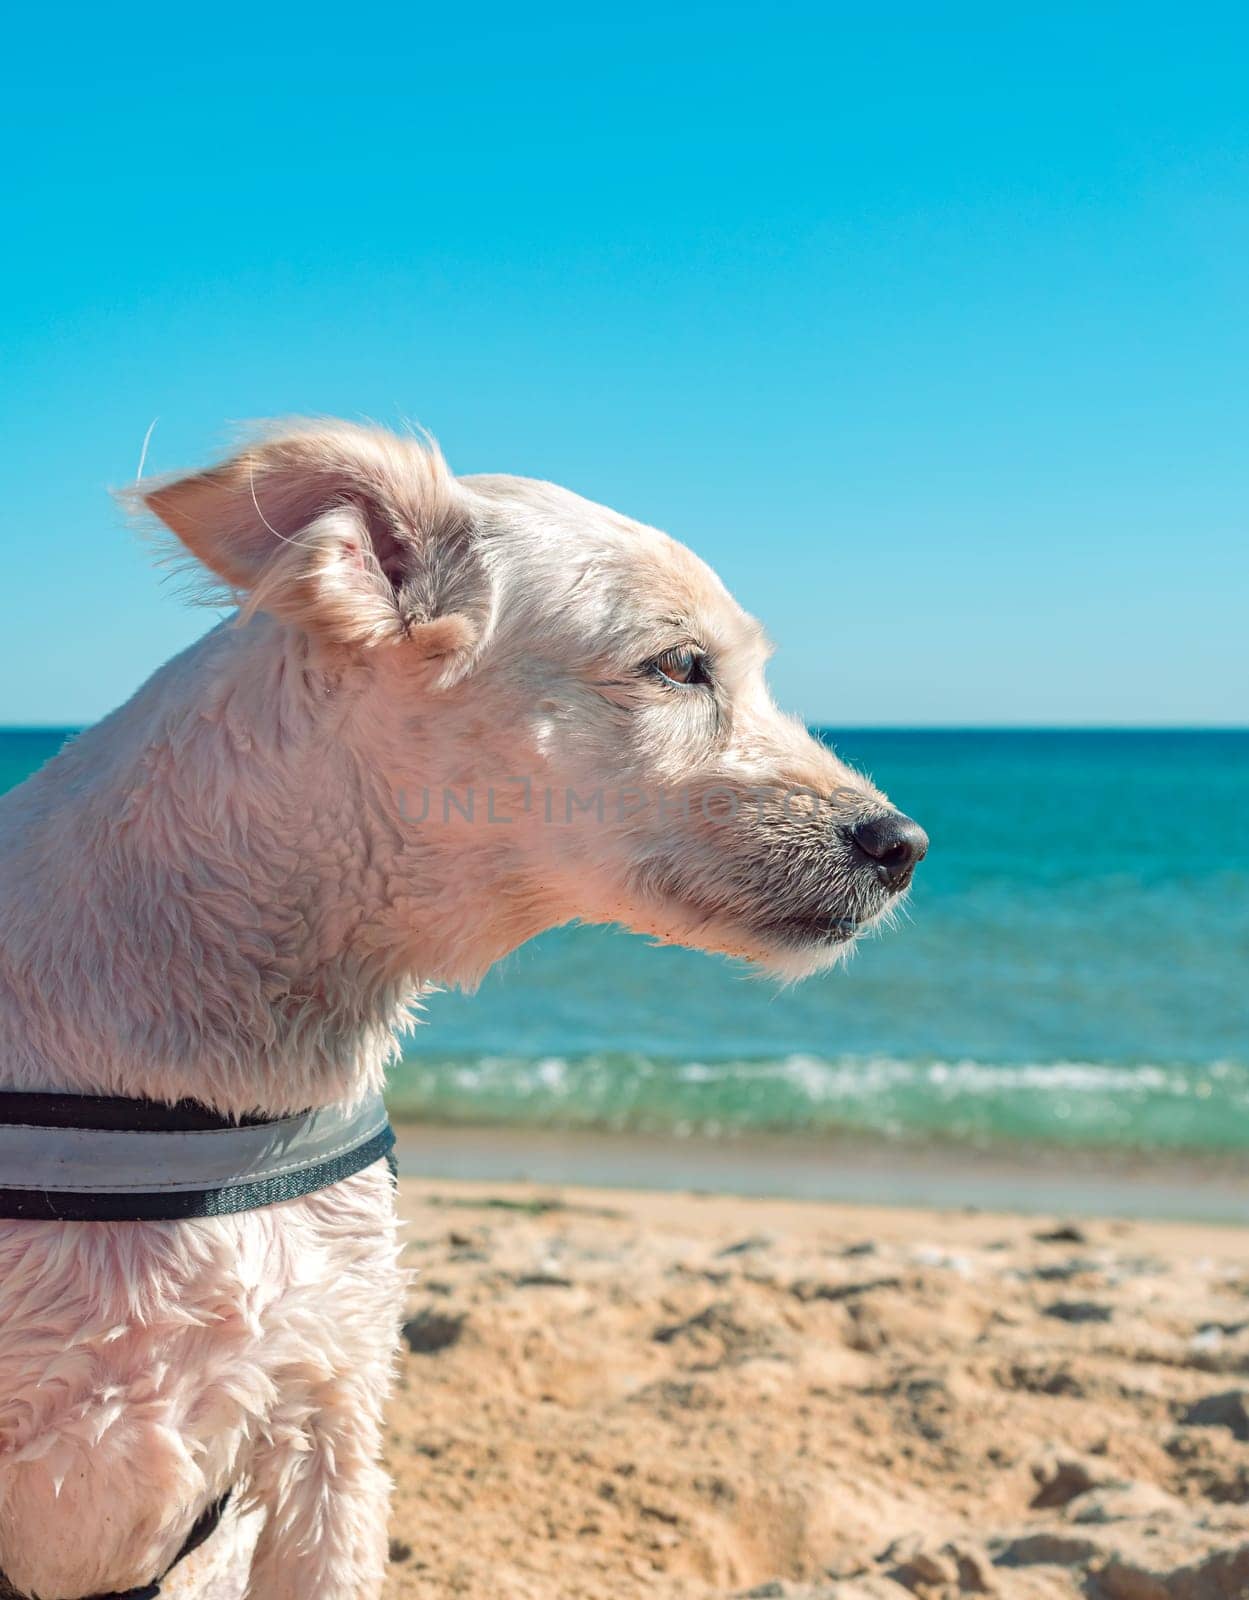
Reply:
x=228 y=891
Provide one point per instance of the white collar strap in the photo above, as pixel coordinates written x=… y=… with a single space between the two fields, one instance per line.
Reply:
x=86 y=1158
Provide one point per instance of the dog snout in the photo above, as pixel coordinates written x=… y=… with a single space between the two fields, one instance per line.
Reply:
x=894 y=844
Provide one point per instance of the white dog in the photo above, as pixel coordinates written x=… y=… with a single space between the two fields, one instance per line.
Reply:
x=450 y=714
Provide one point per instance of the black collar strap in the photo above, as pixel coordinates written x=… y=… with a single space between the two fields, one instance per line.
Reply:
x=87 y=1158
x=205 y=1525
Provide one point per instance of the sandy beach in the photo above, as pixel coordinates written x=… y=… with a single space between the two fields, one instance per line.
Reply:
x=613 y=1393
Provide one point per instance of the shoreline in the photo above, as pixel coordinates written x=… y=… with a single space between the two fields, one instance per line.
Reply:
x=841 y=1169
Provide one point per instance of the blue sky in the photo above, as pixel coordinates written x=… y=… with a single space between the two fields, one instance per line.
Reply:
x=928 y=328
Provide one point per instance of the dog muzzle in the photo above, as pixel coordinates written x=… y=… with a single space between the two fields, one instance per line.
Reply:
x=89 y=1158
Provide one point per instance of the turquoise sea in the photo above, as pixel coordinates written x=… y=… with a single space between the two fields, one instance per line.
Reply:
x=1073 y=968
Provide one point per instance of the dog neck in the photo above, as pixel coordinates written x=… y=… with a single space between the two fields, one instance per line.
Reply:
x=209 y=895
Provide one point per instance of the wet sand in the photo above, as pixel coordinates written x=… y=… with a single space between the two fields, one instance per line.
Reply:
x=857 y=1170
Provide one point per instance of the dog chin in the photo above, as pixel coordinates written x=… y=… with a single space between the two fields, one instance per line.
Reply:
x=791 y=955
x=788 y=948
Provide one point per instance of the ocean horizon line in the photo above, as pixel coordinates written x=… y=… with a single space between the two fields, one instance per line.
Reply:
x=823 y=726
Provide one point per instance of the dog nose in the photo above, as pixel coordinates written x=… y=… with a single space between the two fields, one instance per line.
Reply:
x=894 y=843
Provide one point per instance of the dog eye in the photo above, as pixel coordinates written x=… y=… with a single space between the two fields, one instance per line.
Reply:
x=683 y=666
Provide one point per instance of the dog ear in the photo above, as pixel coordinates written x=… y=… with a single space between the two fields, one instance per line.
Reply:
x=359 y=536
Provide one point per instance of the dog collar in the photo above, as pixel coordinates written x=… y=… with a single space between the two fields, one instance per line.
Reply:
x=90 y=1158
x=205 y=1526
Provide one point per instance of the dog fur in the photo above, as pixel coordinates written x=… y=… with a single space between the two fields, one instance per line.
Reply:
x=235 y=889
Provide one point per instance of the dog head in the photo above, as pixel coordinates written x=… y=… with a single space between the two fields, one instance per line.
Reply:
x=567 y=704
